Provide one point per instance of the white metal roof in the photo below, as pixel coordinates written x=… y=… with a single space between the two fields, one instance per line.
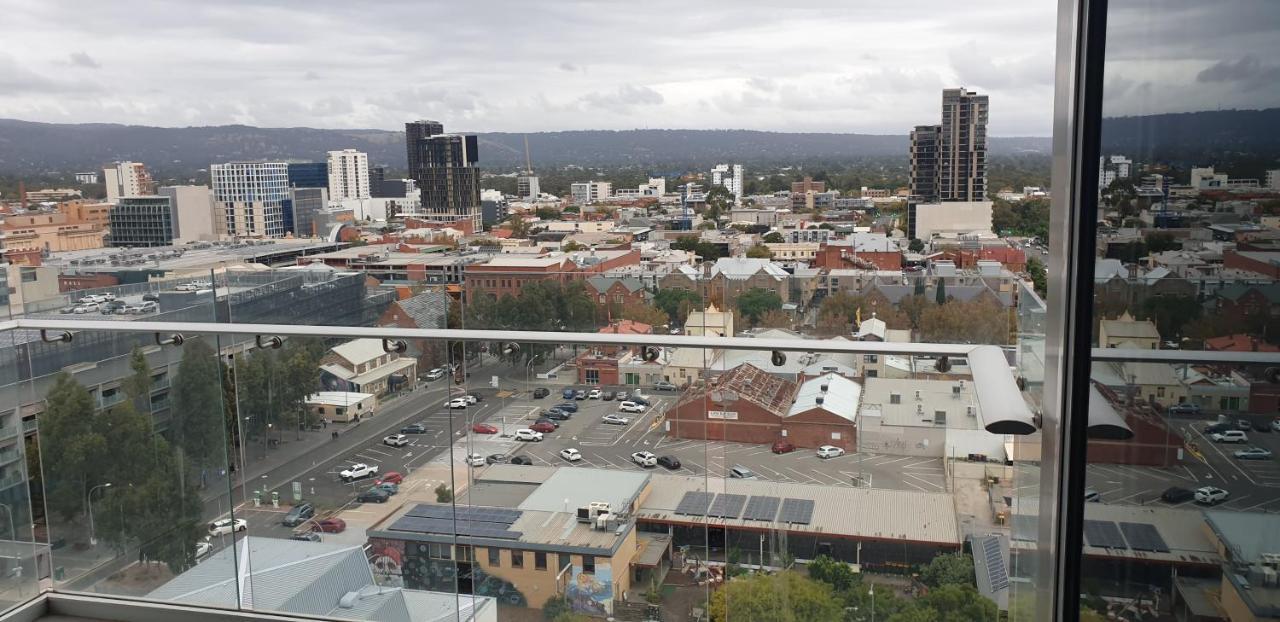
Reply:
x=841 y=396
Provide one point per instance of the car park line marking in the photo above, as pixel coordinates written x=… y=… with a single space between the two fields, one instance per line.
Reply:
x=377 y=451
x=837 y=480
x=915 y=485
x=928 y=463
x=804 y=478
x=779 y=475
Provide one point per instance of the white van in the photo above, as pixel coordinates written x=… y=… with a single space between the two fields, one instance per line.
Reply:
x=1229 y=436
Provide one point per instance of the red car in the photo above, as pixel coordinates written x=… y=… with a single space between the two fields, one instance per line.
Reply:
x=782 y=447
x=543 y=427
x=330 y=525
x=484 y=428
x=392 y=477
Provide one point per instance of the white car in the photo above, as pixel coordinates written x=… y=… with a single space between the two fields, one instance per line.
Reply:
x=457 y=402
x=359 y=470
x=396 y=440
x=1211 y=495
x=203 y=547
x=435 y=374
x=615 y=420
x=631 y=407
x=830 y=451
x=525 y=434
x=593 y=394
x=644 y=459
x=471 y=399
x=87 y=308
x=571 y=454
x=224 y=526
x=1229 y=436
x=149 y=306
x=93 y=298
x=1275 y=425
x=132 y=310
x=475 y=459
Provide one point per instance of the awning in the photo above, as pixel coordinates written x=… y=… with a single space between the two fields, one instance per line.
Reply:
x=655 y=547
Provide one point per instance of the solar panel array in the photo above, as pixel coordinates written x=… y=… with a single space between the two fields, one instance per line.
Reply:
x=1103 y=534
x=1144 y=537
x=798 y=511
x=465 y=513
x=479 y=522
x=694 y=503
x=995 y=564
x=727 y=506
x=762 y=508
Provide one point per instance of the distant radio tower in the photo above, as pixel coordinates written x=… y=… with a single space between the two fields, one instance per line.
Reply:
x=528 y=164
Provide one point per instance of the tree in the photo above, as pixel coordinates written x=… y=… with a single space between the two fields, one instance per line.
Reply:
x=693 y=244
x=1039 y=277
x=444 y=494
x=677 y=303
x=784 y=597
x=718 y=200
x=759 y=251
x=755 y=302
x=197 y=427
x=940 y=291
x=978 y=321
x=834 y=573
x=1171 y=314
x=137 y=386
x=78 y=464
x=643 y=313
x=774 y=237
x=775 y=319
x=573 y=246
x=1161 y=241
x=948 y=569
x=518 y=225
x=915 y=245
x=956 y=603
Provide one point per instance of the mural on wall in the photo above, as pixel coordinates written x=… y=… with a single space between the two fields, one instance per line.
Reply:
x=386 y=557
x=591 y=593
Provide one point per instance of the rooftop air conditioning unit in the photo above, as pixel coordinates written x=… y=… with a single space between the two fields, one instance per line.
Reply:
x=818 y=400
x=919 y=409
x=971 y=411
x=917 y=395
x=824 y=387
x=955 y=390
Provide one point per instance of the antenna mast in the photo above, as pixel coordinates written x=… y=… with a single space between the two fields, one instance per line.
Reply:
x=528 y=164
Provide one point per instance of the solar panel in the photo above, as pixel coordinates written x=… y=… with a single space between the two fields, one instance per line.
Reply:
x=465 y=513
x=996 y=573
x=798 y=511
x=761 y=508
x=1144 y=537
x=727 y=506
x=694 y=503
x=418 y=524
x=1103 y=534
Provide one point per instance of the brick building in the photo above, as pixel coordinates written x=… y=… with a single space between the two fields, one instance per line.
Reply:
x=506 y=275
x=749 y=405
x=601 y=365
x=1267 y=263
x=617 y=292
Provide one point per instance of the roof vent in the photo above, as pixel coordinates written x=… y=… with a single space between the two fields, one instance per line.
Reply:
x=917 y=395
x=349 y=600
x=818 y=400
x=824 y=387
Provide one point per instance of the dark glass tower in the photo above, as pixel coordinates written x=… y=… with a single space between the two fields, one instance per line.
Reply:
x=962 y=146
x=924 y=163
x=444 y=167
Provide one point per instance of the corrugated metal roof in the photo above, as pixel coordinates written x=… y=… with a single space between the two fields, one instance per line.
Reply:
x=569 y=489
x=840 y=398
x=852 y=512
x=359 y=351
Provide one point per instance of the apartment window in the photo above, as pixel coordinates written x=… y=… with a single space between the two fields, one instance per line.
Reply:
x=464 y=553
x=539 y=560
x=870 y=358
x=588 y=563
x=566 y=560
x=517 y=558
x=593 y=376
x=495 y=557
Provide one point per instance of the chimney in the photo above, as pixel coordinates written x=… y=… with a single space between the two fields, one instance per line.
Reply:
x=22 y=195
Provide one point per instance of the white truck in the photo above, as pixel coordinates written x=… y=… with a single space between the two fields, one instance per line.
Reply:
x=358 y=471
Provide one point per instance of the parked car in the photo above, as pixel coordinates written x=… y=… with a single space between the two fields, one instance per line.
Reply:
x=557 y=414
x=580 y=394
x=148 y=307
x=414 y=428
x=631 y=407
x=607 y=396
x=670 y=462
x=388 y=487
x=567 y=394
x=1177 y=494
x=67 y=310
x=298 y=514
x=330 y=525
x=132 y=310
x=495 y=458
x=457 y=402
x=305 y=536
x=1185 y=408
x=1211 y=495
x=545 y=428
x=484 y=428
x=571 y=454
x=1253 y=453
x=224 y=526
x=110 y=307
x=391 y=476
x=1216 y=427
x=570 y=407
x=1091 y=495
x=1244 y=424
x=435 y=374
x=1275 y=425
x=86 y=308
x=93 y=298
x=525 y=434
x=1229 y=436
x=373 y=495
x=615 y=420
x=395 y=440
x=644 y=459
x=540 y=393
x=830 y=451
x=359 y=470
x=782 y=447
x=552 y=422
x=475 y=460
x=738 y=471
x=593 y=394
x=1262 y=426
x=151 y=297
x=522 y=460
x=663 y=385
x=637 y=398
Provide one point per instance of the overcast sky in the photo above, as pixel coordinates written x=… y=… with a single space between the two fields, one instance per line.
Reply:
x=523 y=65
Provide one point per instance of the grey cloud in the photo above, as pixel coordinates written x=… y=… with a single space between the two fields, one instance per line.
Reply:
x=763 y=84
x=567 y=66
x=1252 y=72
x=332 y=106
x=623 y=99
x=82 y=59
x=310 y=75
x=17 y=80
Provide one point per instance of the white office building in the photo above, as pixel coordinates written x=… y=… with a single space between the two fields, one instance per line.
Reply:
x=348 y=175
x=127 y=179
x=582 y=193
x=729 y=176
x=527 y=187
x=250 y=198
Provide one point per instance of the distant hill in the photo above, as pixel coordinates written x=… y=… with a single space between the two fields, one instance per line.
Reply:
x=27 y=147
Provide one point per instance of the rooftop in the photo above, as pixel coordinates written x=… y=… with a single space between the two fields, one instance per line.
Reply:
x=912 y=402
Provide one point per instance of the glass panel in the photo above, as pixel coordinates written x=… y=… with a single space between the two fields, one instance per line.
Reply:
x=25 y=566
x=1182 y=491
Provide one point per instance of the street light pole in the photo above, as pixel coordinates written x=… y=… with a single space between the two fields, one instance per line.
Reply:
x=93 y=540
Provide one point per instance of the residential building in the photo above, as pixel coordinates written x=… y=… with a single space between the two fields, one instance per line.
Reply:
x=506 y=274
x=730 y=177
x=924 y=162
x=341 y=406
x=309 y=175
x=1126 y=332
x=967 y=218
x=363 y=366
x=250 y=198
x=87 y=178
x=803 y=191
x=602 y=365
x=709 y=322
x=307 y=204
x=127 y=179
x=1273 y=179
x=143 y=221
x=348 y=175
x=193 y=212
x=527 y=187
x=582 y=193
x=962 y=147
x=444 y=168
